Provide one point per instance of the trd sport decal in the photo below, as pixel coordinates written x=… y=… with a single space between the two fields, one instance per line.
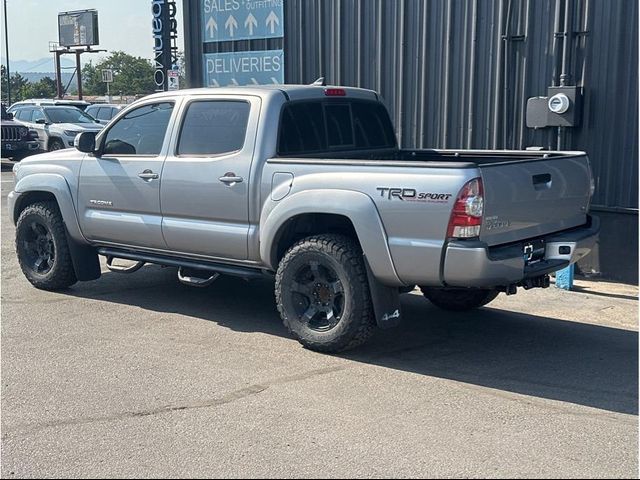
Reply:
x=412 y=195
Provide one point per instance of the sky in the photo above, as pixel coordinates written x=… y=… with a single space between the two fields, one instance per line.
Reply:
x=123 y=25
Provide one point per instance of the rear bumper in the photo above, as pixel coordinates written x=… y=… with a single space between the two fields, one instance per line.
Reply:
x=474 y=264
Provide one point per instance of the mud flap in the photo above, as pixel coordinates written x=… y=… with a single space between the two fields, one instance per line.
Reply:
x=386 y=301
x=85 y=260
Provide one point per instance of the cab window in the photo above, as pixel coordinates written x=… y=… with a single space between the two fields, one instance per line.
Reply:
x=213 y=127
x=37 y=115
x=104 y=113
x=24 y=114
x=140 y=132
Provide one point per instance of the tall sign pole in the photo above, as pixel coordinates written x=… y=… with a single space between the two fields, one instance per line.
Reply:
x=6 y=49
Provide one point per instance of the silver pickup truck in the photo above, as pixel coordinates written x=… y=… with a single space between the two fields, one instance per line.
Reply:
x=306 y=183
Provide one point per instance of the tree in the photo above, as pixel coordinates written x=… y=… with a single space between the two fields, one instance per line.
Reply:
x=44 y=88
x=131 y=75
x=18 y=82
x=92 y=80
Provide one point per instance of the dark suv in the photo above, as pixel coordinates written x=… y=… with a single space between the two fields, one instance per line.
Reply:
x=17 y=140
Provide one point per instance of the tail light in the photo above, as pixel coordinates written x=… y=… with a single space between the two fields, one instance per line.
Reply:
x=335 y=92
x=466 y=218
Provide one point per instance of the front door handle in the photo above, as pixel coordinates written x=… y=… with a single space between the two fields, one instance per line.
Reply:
x=148 y=175
x=231 y=179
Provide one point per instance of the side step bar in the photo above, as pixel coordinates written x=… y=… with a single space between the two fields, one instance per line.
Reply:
x=195 y=281
x=243 y=272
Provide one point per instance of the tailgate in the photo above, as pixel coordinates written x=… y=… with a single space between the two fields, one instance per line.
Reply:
x=526 y=199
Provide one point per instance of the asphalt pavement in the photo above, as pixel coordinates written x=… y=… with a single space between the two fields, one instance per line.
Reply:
x=140 y=376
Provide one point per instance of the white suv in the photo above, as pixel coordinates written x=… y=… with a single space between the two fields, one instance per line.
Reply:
x=45 y=102
x=56 y=127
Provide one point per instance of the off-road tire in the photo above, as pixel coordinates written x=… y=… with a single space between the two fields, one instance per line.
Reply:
x=356 y=322
x=61 y=273
x=459 y=299
x=55 y=144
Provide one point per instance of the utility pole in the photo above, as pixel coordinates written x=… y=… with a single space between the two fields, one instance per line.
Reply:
x=6 y=48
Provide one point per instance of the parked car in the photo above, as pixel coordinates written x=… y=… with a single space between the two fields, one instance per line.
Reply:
x=306 y=183
x=56 y=126
x=41 y=102
x=17 y=140
x=104 y=112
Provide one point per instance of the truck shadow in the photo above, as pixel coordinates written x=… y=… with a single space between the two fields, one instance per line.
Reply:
x=543 y=357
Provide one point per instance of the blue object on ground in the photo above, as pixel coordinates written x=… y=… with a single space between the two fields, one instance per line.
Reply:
x=564 y=278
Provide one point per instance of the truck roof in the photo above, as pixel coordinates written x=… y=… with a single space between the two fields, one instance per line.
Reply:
x=292 y=92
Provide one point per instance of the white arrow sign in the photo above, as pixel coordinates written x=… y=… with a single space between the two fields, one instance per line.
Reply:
x=273 y=20
x=254 y=81
x=234 y=82
x=231 y=24
x=250 y=23
x=274 y=80
x=215 y=82
x=211 y=26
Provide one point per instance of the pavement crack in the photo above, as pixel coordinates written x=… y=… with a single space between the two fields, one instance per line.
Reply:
x=215 y=402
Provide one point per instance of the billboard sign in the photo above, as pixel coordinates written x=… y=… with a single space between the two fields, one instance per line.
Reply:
x=228 y=20
x=244 y=68
x=78 y=28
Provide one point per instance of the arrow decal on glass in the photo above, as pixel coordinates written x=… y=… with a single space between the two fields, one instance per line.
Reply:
x=272 y=20
x=231 y=24
x=250 y=23
x=211 y=26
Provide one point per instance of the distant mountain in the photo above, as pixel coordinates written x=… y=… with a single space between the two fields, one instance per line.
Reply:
x=45 y=64
x=34 y=70
x=34 y=77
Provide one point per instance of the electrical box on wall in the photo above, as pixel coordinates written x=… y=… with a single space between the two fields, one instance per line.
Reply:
x=562 y=107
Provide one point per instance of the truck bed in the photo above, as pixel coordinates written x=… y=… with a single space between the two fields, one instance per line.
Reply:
x=527 y=194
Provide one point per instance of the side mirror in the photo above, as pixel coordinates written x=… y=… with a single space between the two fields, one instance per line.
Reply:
x=9 y=116
x=85 y=142
x=41 y=121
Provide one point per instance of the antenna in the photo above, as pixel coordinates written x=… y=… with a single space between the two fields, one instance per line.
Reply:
x=320 y=82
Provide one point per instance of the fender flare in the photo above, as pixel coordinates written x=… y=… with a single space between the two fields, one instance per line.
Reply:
x=57 y=185
x=83 y=256
x=358 y=207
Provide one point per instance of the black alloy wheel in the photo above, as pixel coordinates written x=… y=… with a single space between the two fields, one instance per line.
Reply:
x=317 y=295
x=40 y=252
x=323 y=294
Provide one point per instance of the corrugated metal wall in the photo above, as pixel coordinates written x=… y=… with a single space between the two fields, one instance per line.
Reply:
x=458 y=73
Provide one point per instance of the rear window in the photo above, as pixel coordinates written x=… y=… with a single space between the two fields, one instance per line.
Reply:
x=316 y=126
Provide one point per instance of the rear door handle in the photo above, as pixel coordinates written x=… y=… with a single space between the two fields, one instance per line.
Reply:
x=541 y=181
x=542 y=178
x=148 y=175
x=231 y=179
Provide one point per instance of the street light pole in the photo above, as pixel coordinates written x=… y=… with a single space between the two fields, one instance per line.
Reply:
x=6 y=47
